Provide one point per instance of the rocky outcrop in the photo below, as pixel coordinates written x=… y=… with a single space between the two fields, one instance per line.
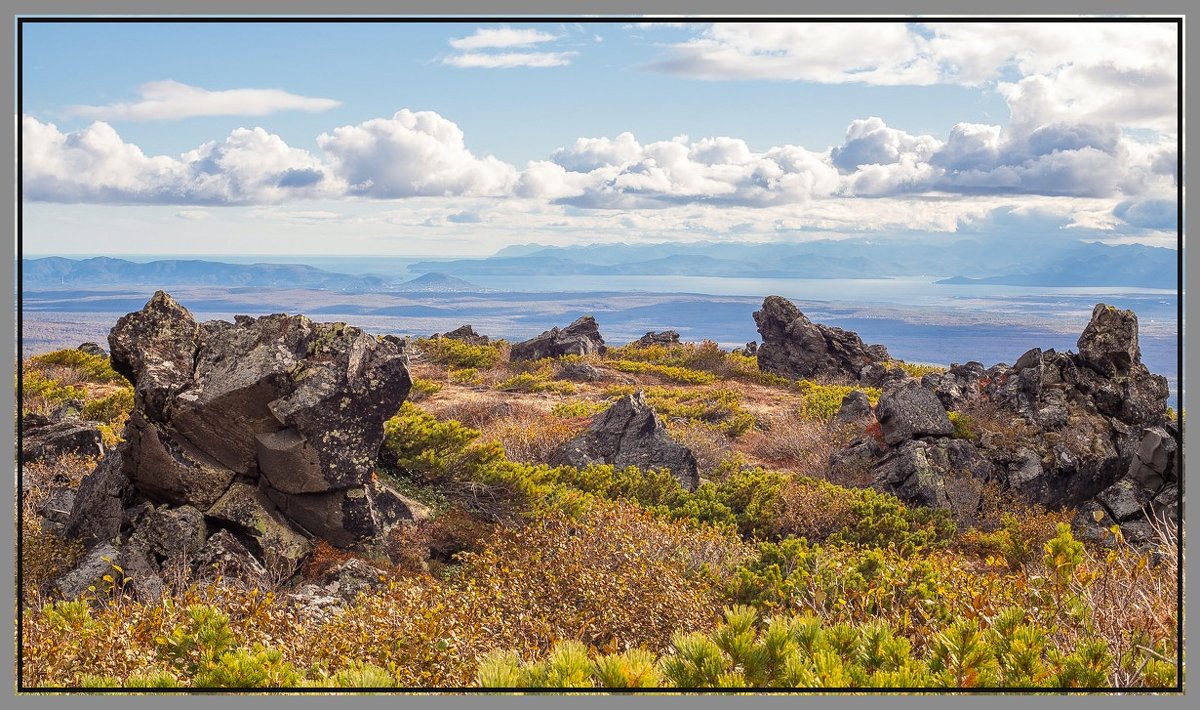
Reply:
x=1086 y=430
x=794 y=346
x=92 y=349
x=911 y=411
x=47 y=437
x=580 y=338
x=854 y=406
x=265 y=429
x=629 y=433
x=580 y=372
x=666 y=338
x=466 y=334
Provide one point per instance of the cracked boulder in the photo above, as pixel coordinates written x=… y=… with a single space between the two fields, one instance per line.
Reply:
x=793 y=346
x=629 y=433
x=580 y=338
x=233 y=424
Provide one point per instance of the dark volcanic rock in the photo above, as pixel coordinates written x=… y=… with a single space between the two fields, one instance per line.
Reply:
x=234 y=423
x=580 y=372
x=855 y=406
x=1109 y=343
x=794 y=346
x=958 y=386
x=580 y=338
x=44 y=438
x=911 y=411
x=939 y=473
x=89 y=571
x=630 y=434
x=666 y=338
x=92 y=349
x=223 y=554
x=466 y=334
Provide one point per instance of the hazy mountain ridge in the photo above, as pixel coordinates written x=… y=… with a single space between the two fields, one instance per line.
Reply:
x=51 y=272
x=1026 y=261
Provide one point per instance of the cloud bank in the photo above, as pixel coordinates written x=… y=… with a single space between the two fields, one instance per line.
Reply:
x=170 y=100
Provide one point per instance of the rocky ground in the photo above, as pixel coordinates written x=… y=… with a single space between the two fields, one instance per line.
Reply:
x=251 y=448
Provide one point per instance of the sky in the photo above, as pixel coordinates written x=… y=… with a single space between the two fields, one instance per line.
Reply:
x=461 y=138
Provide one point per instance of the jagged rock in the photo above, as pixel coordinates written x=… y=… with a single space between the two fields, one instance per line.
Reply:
x=401 y=344
x=465 y=334
x=666 y=338
x=1109 y=343
x=89 y=572
x=255 y=518
x=69 y=408
x=794 y=346
x=100 y=502
x=958 y=386
x=348 y=580
x=140 y=572
x=580 y=372
x=155 y=348
x=854 y=406
x=171 y=533
x=231 y=416
x=44 y=438
x=1154 y=461
x=911 y=411
x=223 y=554
x=939 y=473
x=630 y=434
x=580 y=338
x=92 y=349
x=56 y=509
x=1125 y=500
x=750 y=350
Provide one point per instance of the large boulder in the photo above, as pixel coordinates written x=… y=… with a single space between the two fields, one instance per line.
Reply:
x=911 y=411
x=794 y=346
x=666 y=338
x=265 y=428
x=938 y=473
x=465 y=334
x=580 y=338
x=629 y=433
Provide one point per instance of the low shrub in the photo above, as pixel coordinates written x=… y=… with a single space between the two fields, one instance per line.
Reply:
x=457 y=354
x=822 y=401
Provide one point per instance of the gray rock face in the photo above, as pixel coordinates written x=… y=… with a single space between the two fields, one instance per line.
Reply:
x=855 y=406
x=939 y=473
x=44 y=438
x=90 y=571
x=223 y=554
x=92 y=349
x=244 y=427
x=466 y=334
x=580 y=338
x=1095 y=432
x=580 y=372
x=666 y=338
x=630 y=434
x=794 y=346
x=909 y=412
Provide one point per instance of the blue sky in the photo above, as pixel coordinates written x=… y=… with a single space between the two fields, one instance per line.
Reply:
x=461 y=138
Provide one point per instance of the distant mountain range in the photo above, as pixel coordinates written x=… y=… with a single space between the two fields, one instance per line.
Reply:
x=1025 y=261
x=1020 y=261
x=58 y=272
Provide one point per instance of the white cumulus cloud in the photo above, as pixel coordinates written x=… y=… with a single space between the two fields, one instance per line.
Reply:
x=167 y=100
x=501 y=37
x=410 y=154
x=509 y=60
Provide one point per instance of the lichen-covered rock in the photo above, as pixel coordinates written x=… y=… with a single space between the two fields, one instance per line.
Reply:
x=224 y=555
x=230 y=418
x=1109 y=343
x=254 y=516
x=580 y=338
x=89 y=572
x=794 y=346
x=854 y=406
x=911 y=411
x=465 y=334
x=44 y=438
x=580 y=372
x=938 y=473
x=666 y=338
x=92 y=349
x=629 y=433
